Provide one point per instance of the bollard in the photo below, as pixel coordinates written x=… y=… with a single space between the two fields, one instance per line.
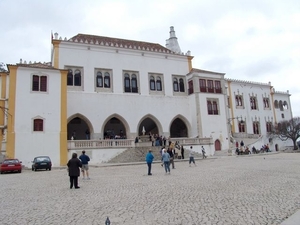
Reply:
x=107 y=221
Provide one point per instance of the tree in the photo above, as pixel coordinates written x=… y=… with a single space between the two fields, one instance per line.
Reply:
x=288 y=129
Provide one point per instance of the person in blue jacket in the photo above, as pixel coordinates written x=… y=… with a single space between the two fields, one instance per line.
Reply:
x=149 y=160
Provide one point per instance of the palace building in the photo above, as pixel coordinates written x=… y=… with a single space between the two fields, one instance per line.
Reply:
x=102 y=94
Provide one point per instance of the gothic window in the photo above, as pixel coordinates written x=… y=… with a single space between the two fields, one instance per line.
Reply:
x=131 y=82
x=212 y=107
x=253 y=103
x=280 y=105
x=74 y=78
x=269 y=126
x=107 y=80
x=181 y=85
x=70 y=77
x=239 y=100
x=77 y=78
x=255 y=128
x=241 y=126
x=158 y=84
x=266 y=103
x=175 y=85
x=99 y=79
x=152 y=83
x=276 y=104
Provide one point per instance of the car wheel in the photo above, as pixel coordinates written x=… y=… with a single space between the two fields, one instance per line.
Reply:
x=35 y=169
x=49 y=168
x=1 y=172
x=20 y=171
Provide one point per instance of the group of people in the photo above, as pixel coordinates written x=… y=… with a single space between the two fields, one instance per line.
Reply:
x=167 y=158
x=159 y=140
x=74 y=166
x=240 y=150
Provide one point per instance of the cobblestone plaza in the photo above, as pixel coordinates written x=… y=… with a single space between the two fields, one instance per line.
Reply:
x=218 y=191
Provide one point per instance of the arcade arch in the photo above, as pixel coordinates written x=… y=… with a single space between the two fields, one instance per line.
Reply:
x=77 y=126
x=150 y=125
x=179 y=127
x=115 y=126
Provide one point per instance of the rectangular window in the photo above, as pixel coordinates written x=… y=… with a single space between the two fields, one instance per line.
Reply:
x=38 y=125
x=202 y=84
x=39 y=83
x=241 y=127
x=191 y=87
x=212 y=107
x=218 y=86
x=210 y=86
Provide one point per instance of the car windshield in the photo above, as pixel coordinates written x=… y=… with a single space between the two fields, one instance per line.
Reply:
x=11 y=161
x=42 y=159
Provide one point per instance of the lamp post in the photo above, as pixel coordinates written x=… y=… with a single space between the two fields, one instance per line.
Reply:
x=229 y=120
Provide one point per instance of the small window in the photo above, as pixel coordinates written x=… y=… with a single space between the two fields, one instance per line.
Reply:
x=202 y=84
x=191 y=87
x=158 y=84
x=77 y=78
x=131 y=82
x=70 y=78
x=152 y=83
x=269 y=126
x=241 y=126
x=134 y=83
x=210 y=86
x=255 y=128
x=39 y=83
x=175 y=85
x=107 y=80
x=239 y=100
x=276 y=104
x=127 y=83
x=266 y=103
x=218 y=86
x=181 y=85
x=38 y=125
x=253 y=103
x=99 y=79
x=212 y=107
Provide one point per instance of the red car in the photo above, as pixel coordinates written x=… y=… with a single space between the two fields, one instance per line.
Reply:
x=11 y=165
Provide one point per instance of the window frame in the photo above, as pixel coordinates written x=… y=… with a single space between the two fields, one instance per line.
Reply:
x=131 y=82
x=179 y=82
x=104 y=77
x=38 y=125
x=212 y=106
x=39 y=83
x=253 y=103
x=75 y=80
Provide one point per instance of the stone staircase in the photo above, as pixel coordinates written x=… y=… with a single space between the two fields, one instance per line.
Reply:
x=138 y=154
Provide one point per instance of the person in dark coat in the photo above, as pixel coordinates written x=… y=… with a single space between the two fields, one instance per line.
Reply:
x=74 y=172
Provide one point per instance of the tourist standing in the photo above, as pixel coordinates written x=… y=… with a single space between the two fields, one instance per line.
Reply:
x=166 y=161
x=85 y=165
x=203 y=152
x=149 y=160
x=191 y=155
x=74 y=172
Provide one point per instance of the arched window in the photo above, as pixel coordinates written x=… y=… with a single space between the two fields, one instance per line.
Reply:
x=158 y=84
x=38 y=125
x=181 y=85
x=70 y=78
x=152 y=83
x=134 y=83
x=285 y=105
x=127 y=83
x=107 y=80
x=280 y=105
x=77 y=78
x=209 y=108
x=276 y=104
x=175 y=85
x=255 y=127
x=99 y=79
x=241 y=126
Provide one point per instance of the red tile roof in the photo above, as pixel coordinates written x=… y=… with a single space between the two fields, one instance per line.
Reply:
x=116 y=42
x=37 y=65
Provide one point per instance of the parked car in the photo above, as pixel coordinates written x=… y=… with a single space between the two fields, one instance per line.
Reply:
x=41 y=162
x=11 y=165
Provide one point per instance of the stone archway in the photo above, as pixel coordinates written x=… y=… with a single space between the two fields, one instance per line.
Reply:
x=114 y=129
x=178 y=128
x=77 y=127
x=217 y=145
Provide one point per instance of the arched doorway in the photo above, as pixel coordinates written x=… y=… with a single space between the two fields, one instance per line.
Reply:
x=114 y=129
x=178 y=129
x=149 y=126
x=217 y=145
x=77 y=128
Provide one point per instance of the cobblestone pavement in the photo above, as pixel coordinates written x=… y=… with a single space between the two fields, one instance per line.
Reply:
x=232 y=190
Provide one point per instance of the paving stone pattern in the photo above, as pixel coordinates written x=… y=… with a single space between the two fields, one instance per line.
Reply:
x=218 y=191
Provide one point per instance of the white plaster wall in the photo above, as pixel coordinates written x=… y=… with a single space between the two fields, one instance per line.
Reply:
x=98 y=156
x=29 y=105
x=286 y=113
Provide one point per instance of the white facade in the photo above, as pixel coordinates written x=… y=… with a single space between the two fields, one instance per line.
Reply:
x=115 y=86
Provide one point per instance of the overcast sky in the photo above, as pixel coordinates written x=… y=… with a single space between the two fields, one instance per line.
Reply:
x=255 y=40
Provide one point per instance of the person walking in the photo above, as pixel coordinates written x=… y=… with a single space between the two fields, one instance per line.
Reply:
x=149 y=160
x=74 y=165
x=166 y=160
x=203 y=152
x=171 y=153
x=85 y=165
x=191 y=155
